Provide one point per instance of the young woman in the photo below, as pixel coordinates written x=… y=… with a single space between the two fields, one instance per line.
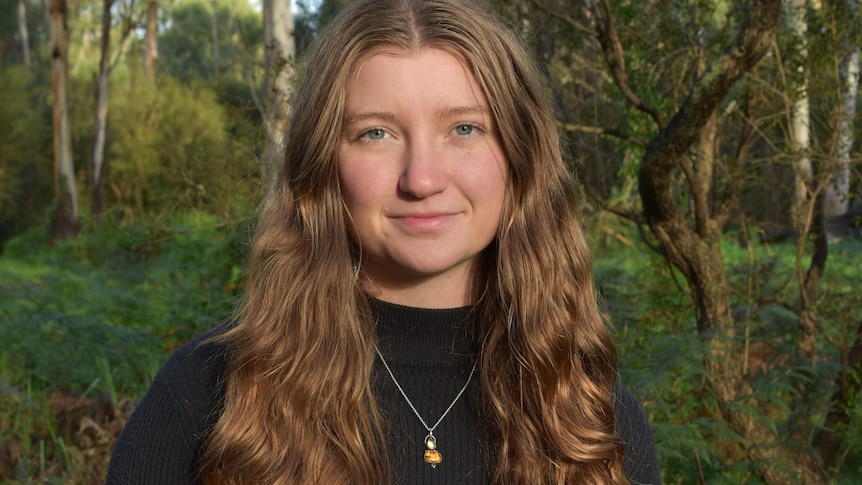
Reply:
x=420 y=306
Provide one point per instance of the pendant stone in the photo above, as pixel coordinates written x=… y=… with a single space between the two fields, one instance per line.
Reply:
x=432 y=456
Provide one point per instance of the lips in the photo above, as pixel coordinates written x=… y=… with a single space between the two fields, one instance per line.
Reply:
x=424 y=222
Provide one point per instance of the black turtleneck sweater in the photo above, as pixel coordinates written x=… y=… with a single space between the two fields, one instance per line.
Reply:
x=429 y=352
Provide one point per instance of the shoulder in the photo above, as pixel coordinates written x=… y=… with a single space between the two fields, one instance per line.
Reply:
x=192 y=379
x=194 y=373
x=199 y=362
x=162 y=439
x=641 y=461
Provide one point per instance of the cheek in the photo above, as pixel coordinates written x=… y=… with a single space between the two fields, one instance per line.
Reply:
x=501 y=194
x=352 y=183
x=358 y=197
x=361 y=184
x=489 y=194
x=348 y=192
x=360 y=194
x=495 y=187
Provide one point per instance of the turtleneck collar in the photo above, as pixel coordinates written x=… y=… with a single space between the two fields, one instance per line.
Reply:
x=424 y=337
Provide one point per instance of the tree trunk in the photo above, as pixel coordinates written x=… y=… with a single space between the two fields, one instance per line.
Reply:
x=836 y=200
x=800 y=118
x=280 y=48
x=101 y=126
x=23 y=36
x=696 y=252
x=151 y=58
x=66 y=217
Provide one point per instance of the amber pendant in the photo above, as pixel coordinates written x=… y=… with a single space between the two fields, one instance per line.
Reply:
x=432 y=456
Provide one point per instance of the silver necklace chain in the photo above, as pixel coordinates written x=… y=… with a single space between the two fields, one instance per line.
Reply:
x=430 y=440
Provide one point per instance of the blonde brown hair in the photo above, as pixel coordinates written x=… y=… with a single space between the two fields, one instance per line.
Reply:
x=293 y=413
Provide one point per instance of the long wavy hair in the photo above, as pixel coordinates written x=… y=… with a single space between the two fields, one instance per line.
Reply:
x=299 y=406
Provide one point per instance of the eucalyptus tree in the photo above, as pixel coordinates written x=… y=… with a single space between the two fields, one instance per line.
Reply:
x=126 y=19
x=151 y=51
x=279 y=55
x=101 y=124
x=66 y=198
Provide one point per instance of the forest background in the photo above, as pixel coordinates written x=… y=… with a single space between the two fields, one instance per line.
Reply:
x=716 y=146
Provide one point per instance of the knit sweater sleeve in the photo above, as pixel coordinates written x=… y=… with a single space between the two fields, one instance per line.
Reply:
x=641 y=461
x=161 y=442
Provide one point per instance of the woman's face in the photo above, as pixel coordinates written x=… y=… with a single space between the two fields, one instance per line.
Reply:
x=422 y=174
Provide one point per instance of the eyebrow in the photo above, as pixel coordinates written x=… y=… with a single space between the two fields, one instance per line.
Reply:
x=461 y=110
x=377 y=115
x=388 y=116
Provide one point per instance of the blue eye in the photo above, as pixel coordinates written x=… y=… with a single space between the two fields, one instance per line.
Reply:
x=375 y=134
x=465 y=130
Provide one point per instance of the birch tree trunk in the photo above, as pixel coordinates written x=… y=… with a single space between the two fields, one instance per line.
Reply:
x=800 y=118
x=151 y=58
x=101 y=124
x=836 y=200
x=280 y=48
x=66 y=217
x=23 y=33
x=806 y=219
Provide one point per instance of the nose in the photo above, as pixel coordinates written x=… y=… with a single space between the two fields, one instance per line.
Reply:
x=424 y=171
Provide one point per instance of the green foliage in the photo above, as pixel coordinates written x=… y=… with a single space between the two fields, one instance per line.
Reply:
x=11 y=52
x=172 y=149
x=187 y=52
x=8 y=26
x=116 y=299
x=851 y=469
x=26 y=160
x=87 y=323
x=98 y=315
x=660 y=351
x=190 y=140
x=660 y=362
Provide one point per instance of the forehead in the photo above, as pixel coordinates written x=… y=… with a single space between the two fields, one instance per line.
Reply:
x=402 y=51
x=389 y=74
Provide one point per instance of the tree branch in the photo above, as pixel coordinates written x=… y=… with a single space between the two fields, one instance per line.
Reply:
x=635 y=217
x=666 y=150
x=604 y=31
x=612 y=49
x=566 y=19
x=596 y=130
x=727 y=200
x=129 y=22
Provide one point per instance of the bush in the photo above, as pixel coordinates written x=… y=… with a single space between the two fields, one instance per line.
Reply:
x=170 y=150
